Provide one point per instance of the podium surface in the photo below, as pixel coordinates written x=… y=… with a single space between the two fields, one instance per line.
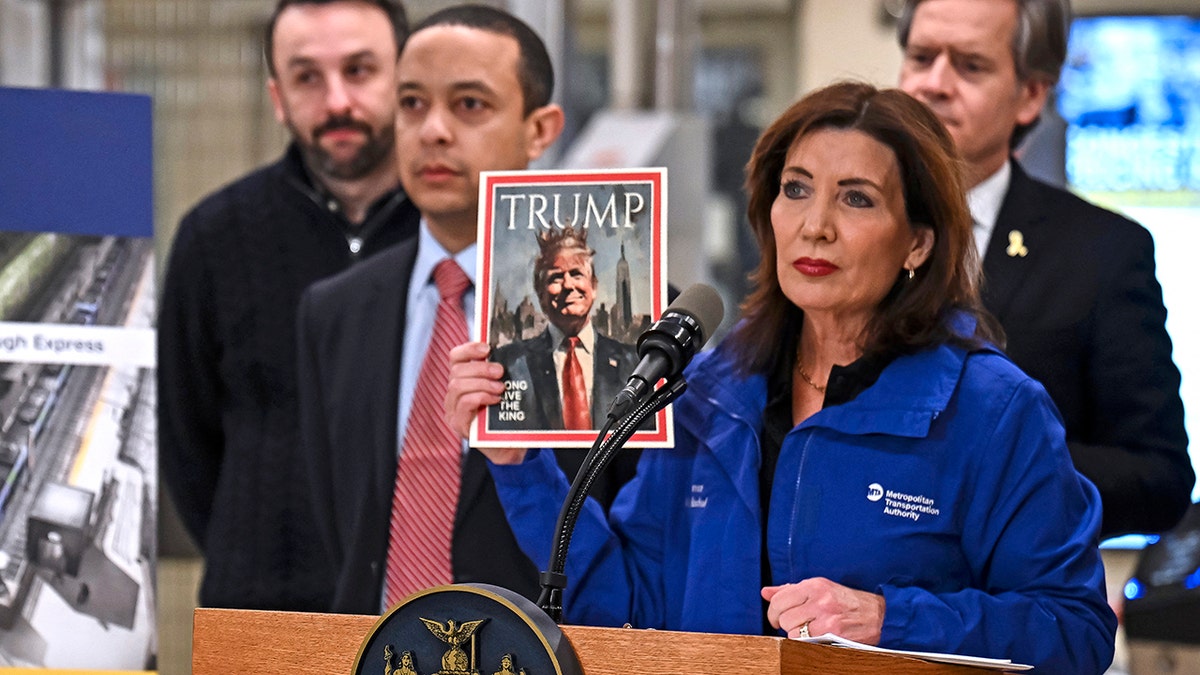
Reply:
x=248 y=642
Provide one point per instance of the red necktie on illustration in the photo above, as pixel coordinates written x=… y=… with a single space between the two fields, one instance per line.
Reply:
x=430 y=468
x=575 y=398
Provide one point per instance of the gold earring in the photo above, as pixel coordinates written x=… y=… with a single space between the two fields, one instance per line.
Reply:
x=911 y=274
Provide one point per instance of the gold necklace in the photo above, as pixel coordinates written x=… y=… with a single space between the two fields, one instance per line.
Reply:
x=804 y=376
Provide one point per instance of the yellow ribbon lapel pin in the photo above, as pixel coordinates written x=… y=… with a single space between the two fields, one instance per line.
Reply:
x=1016 y=245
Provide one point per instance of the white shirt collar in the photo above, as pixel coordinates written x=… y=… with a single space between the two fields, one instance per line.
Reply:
x=587 y=337
x=984 y=201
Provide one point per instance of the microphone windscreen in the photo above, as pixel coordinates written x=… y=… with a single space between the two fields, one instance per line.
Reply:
x=704 y=304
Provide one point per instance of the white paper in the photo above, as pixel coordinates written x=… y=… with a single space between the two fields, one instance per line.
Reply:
x=957 y=659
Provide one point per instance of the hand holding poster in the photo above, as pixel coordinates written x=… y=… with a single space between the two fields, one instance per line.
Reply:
x=572 y=269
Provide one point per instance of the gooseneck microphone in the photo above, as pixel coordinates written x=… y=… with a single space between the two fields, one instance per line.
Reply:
x=669 y=345
x=665 y=350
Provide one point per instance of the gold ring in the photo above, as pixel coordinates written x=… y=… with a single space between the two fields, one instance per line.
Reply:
x=804 y=630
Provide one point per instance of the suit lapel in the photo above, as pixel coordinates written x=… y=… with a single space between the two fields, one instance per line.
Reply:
x=1015 y=245
x=541 y=369
x=475 y=475
x=606 y=378
x=387 y=307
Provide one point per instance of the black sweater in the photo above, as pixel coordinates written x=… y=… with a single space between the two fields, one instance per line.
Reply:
x=227 y=408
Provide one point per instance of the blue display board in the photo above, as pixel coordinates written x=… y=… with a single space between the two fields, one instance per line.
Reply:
x=76 y=162
x=78 y=462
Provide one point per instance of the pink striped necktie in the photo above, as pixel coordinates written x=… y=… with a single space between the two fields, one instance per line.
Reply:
x=430 y=467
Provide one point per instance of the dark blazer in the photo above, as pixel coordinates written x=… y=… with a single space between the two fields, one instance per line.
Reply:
x=1083 y=312
x=351 y=338
x=532 y=362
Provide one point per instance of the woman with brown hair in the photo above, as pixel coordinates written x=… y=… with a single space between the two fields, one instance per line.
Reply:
x=857 y=457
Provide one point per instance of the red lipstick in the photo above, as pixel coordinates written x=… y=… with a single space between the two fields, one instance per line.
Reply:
x=814 y=267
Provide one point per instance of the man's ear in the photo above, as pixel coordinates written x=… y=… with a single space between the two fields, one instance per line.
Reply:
x=543 y=127
x=276 y=100
x=1034 y=91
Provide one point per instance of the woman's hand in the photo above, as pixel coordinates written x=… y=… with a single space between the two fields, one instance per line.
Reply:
x=474 y=384
x=825 y=607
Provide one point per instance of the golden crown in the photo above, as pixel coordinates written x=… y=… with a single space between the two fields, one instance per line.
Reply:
x=556 y=239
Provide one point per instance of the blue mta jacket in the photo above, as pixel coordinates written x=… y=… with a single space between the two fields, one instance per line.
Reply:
x=946 y=487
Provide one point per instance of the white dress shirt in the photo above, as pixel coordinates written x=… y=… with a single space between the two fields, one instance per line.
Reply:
x=984 y=201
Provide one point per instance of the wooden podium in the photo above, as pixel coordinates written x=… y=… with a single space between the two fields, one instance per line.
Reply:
x=245 y=642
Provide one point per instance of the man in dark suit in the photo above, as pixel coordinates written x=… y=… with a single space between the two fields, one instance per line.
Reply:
x=474 y=87
x=564 y=279
x=1072 y=284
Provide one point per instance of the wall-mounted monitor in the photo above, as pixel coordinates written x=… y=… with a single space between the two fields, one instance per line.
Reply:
x=1130 y=94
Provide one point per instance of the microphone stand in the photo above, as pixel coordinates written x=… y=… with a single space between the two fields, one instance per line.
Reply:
x=604 y=450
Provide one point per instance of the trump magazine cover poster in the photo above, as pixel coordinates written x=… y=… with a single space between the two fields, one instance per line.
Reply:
x=572 y=269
